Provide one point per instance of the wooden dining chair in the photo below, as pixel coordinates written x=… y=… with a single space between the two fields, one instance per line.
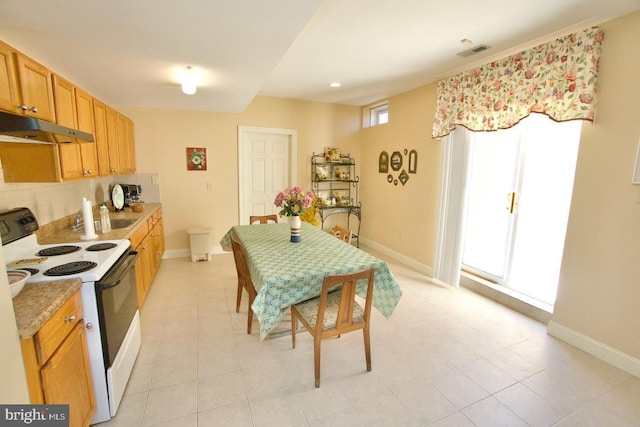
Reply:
x=263 y=219
x=244 y=280
x=342 y=233
x=335 y=313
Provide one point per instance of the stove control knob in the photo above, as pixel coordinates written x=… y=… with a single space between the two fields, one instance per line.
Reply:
x=89 y=325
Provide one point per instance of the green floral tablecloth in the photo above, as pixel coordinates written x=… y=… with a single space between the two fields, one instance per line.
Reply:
x=286 y=273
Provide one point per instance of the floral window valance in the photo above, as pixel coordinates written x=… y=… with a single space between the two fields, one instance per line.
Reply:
x=556 y=78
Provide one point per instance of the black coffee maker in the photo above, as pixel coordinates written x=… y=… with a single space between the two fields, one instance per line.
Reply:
x=132 y=193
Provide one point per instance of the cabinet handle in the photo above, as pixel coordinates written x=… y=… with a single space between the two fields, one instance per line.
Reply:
x=34 y=109
x=89 y=325
x=22 y=107
x=71 y=318
x=144 y=246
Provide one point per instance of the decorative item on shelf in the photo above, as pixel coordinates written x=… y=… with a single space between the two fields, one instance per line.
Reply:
x=294 y=203
x=332 y=154
x=196 y=159
x=321 y=173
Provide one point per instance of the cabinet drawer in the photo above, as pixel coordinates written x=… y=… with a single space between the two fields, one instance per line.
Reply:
x=139 y=235
x=54 y=331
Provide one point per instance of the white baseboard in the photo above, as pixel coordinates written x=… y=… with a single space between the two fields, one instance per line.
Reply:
x=595 y=348
x=186 y=253
x=410 y=262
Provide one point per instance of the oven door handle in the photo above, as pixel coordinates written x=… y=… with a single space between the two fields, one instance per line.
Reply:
x=119 y=272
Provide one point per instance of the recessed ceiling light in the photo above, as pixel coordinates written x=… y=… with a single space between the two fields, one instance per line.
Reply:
x=335 y=84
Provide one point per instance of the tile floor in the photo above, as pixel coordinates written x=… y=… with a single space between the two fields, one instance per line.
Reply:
x=446 y=357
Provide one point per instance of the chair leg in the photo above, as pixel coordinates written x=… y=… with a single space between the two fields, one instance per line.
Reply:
x=238 y=298
x=367 y=348
x=316 y=359
x=293 y=329
x=249 y=317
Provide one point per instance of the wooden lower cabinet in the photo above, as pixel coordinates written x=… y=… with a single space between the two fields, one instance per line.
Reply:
x=148 y=241
x=66 y=378
x=57 y=363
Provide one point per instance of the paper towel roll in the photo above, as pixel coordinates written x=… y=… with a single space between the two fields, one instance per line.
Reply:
x=87 y=215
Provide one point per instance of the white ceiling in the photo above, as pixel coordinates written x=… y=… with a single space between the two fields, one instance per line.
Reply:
x=131 y=52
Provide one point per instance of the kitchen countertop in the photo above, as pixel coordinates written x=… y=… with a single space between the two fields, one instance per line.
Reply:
x=67 y=235
x=37 y=302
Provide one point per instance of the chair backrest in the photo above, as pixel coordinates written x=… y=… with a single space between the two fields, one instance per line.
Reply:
x=263 y=219
x=242 y=268
x=342 y=233
x=344 y=319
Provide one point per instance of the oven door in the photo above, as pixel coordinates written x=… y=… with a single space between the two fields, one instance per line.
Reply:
x=117 y=304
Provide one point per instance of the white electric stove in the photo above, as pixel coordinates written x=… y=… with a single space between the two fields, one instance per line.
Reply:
x=108 y=291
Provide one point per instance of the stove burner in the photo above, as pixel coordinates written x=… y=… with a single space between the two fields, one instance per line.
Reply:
x=70 y=268
x=101 y=247
x=58 y=250
x=31 y=270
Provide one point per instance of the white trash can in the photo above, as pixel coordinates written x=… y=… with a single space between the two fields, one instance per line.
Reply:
x=200 y=242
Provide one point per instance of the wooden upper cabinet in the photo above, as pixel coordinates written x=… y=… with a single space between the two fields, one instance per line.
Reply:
x=126 y=147
x=131 y=147
x=101 y=137
x=114 y=144
x=74 y=109
x=65 y=105
x=85 y=120
x=35 y=86
x=9 y=99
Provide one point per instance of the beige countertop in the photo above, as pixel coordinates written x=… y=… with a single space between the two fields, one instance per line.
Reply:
x=37 y=302
x=67 y=235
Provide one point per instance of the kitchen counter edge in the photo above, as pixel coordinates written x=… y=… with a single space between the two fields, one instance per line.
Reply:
x=37 y=302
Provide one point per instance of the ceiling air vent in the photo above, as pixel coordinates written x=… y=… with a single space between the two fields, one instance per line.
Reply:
x=473 y=50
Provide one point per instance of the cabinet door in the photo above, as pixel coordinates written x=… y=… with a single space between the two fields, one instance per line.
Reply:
x=65 y=104
x=66 y=378
x=9 y=99
x=140 y=288
x=131 y=147
x=147 y=255
x=112 y=136
x=100 y=135
x=126 y=147
x=88 y=152
x=36 y=88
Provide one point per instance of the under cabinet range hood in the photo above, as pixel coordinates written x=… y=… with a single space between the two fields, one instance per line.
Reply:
x=16 y=128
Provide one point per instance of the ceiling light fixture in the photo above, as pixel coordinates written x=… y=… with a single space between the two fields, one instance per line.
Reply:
x=335 y=84
x=189 y=81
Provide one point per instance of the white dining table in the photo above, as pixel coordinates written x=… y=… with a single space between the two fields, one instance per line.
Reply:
x=285 y=273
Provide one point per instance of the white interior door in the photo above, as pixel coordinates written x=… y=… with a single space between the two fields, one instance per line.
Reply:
x=267 y=165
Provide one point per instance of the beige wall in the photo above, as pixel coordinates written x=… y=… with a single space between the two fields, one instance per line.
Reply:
x=163 y=135
x=400 y=217
x=599 y=293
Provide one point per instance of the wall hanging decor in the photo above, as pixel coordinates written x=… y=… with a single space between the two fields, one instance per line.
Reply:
x=413 y=161
x=196 y=159
x=395 y=162
x=383 y=162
